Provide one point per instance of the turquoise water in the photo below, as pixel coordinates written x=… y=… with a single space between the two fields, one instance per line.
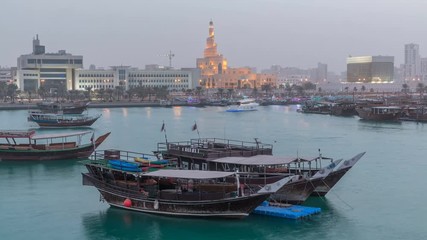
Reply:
x=382 y=197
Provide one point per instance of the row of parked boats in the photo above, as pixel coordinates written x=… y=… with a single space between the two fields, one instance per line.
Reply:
x=369 y=110
x=204 y=177
x=209 y=177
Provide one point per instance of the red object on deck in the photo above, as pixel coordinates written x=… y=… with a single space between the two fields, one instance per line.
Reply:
x=127 y=202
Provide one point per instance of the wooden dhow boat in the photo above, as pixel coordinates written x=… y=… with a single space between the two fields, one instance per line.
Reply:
x=173 y=192
x=52 y=107
x=266 y=169
x=379 y=113
x=217 y=154
x=28 y=146
x=53 y=120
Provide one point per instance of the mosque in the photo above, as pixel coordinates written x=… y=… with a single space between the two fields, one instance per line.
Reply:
x=215 y=72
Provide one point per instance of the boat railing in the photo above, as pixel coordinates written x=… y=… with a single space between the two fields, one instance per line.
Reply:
x=102 y=156
x=129 y=156
x=215 y=146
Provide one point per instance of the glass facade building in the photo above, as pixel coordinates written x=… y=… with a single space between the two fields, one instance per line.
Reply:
x=370 y=69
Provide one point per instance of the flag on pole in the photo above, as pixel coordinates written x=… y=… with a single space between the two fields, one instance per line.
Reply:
x=194 y=128
x=163 y=128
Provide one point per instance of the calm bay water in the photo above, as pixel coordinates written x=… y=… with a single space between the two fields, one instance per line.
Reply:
x=382 y=197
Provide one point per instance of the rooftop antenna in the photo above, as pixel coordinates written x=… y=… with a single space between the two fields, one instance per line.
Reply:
x=170 y=55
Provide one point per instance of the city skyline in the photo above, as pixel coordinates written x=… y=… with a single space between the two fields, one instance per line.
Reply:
x=256 y=34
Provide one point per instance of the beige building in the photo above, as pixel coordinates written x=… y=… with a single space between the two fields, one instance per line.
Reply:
x=216 y=74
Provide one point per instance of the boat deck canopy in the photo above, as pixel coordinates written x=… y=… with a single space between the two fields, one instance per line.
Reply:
x=16 y=134
x=188 y=174
x=60 y=135
x=261 y=160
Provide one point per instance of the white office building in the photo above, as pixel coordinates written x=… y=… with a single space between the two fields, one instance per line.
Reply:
x=52 y=71
x=7 y=74
x=127 y=77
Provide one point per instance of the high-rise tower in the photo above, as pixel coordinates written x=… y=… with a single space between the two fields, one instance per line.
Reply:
x=412 y=61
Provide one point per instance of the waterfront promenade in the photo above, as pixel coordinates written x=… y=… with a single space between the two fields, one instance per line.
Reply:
x=93 y=104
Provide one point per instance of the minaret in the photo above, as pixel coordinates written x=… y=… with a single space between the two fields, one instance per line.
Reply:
x=211 y=50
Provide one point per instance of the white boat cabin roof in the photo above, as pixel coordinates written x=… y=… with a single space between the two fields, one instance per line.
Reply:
x=188 y=174
x=262 y=160
x=60 y=135
x=16 y=133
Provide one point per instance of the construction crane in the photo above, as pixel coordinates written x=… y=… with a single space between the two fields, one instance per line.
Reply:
x=170 y=55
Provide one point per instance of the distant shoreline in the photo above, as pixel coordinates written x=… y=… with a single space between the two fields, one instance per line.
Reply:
x=30 y=106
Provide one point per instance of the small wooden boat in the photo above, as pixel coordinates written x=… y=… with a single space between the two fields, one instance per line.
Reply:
x=26 y=145
x=415 y=114
x=53 y=120
x=52 y=107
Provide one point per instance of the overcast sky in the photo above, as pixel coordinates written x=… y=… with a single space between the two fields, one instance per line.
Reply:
x=258 y=33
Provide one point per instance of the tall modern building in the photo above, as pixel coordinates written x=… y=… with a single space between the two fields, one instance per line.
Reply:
x=52 y=71
x=412 y=66
x=370 y=69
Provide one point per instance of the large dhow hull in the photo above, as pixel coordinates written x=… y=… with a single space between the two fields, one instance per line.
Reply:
x=366 y=114
x=333 y=178
x=297 y=191
x=182 y=205
x=60 y=124
x=29 y=153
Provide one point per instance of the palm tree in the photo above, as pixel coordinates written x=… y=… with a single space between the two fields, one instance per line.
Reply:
x=3 y=90
x=220 y=92
x=11 y=91
x=88 y=93
x=255 y=92
x=288 y=88
x=405 y=88
x=420 y=89
x=230 y=93
x=109 y=92
x=42 y=92
x=266 y=88
x=199 y=91
x=119 y=91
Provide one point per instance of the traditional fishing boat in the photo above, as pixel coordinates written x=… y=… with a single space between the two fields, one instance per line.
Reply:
x=379 y=113
x=52 y=107
x=173 y=192
x=415 y=114
x=27 y=145
x=343 y=109
x=266 y=169
x=316 y=107
x=204 y=154
x=53 y=120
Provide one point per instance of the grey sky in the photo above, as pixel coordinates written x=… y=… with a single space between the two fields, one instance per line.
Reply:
x=256 y=33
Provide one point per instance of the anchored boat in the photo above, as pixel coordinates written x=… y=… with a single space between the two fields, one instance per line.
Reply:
x=188 y=193
x=27 y=145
